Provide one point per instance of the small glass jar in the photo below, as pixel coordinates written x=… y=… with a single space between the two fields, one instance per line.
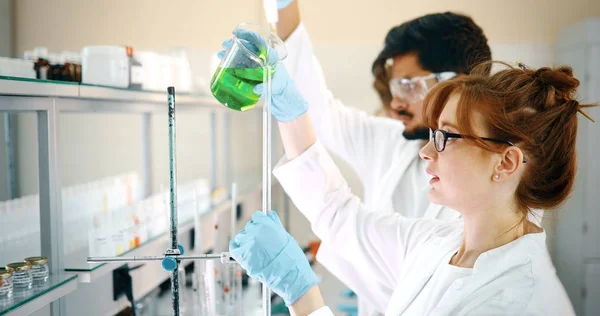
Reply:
x=6 y=283
x=39 y=269
x=22 y=279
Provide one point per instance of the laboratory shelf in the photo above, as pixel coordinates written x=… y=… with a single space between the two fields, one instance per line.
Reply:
x=141 y=96
x=27 y=87
x=37 y=88
x=27 y=303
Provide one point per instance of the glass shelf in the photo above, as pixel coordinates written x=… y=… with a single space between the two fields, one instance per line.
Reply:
x=11 y=78
x=23 y=303
x=20 y=86
x=60 y=82
x=137 y=90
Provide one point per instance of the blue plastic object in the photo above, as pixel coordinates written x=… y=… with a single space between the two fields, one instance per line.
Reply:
x=348 y=293
x=348 y=308
x=169 y=264
x=181 y=250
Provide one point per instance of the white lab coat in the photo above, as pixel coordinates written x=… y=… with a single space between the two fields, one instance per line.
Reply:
x=396 y=255
x=373 y=146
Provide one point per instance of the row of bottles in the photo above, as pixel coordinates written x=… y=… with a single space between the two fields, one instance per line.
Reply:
x=102 y=218
x=117 y=230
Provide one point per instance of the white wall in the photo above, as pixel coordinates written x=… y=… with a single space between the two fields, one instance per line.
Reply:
x=6 y=28
x=339 y=21
x=152 y=24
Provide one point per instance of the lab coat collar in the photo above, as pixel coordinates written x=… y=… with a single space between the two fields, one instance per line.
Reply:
x=492 y=264
x=423 y=263
x=488 y=267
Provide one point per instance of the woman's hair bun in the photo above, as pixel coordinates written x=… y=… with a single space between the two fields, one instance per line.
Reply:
x=560 y=79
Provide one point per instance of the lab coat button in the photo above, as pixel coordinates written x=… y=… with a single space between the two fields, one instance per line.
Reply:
x=458 y=284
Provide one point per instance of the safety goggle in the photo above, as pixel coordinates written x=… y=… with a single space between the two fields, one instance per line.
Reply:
x=413 y=90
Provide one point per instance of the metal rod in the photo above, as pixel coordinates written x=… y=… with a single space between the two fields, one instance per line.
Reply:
x=172 y=168
x=173 y=202
x=51 y=212
x=152 y=258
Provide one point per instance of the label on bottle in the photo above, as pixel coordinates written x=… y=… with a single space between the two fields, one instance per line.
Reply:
x=137 y=75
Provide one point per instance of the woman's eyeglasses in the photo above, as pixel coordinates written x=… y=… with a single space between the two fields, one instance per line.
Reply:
x=440 y=137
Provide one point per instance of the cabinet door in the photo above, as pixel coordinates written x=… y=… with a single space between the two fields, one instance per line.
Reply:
x=592 y=285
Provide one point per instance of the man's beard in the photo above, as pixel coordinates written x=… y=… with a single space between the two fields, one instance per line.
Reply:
x=420 y=132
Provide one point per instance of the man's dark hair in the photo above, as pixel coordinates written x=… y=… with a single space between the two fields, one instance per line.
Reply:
x=442 y=41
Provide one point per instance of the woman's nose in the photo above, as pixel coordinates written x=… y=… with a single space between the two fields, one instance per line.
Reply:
x=428 y=152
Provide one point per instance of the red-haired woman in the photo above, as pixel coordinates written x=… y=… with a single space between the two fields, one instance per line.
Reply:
x=501 y=146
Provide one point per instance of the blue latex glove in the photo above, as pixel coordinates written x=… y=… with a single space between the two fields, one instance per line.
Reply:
x=283 y=3
x=269 y=254
x=287 y=103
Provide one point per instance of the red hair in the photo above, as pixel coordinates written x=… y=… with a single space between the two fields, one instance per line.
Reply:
x=534 y=109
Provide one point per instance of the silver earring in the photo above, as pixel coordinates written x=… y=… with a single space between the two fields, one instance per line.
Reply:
x=496 y=176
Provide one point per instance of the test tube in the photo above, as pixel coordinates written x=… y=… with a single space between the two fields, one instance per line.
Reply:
x=239 y=299
x=219 y=271
x=235 y=270
x=201 y=299
x=210 y=286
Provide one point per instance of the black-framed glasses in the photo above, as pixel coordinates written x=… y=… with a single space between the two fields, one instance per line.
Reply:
x=440 y=137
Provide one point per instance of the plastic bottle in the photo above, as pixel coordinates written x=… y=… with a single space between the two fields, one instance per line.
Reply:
x=136 y=71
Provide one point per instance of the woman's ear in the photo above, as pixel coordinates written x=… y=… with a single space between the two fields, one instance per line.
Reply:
x=512 y=158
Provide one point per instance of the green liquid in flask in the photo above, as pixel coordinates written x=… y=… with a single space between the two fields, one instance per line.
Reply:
x=233 y=87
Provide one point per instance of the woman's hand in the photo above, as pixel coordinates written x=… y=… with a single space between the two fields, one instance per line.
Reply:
x=270 y=254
